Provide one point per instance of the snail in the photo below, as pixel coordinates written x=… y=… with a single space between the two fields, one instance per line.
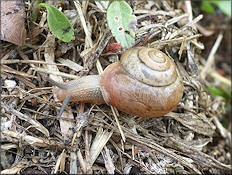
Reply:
x=145 y=83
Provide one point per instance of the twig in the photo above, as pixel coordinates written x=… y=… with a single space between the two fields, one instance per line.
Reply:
x=211 y=57
x=98 y=64
x=101 y=46
x=190 y=24
x=174 y=41
x=34 y=123
x=5 y=68
x=146 y=143
x=220 y=78
x=189 y=10
x=27 y=62
x=81 y=161
x=47 y=71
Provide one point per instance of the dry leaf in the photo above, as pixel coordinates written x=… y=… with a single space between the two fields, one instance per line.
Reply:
x=198 y=123
x=12 y=22
x=99 y=142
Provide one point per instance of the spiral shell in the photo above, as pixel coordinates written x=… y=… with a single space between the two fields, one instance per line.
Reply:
x=144 y=83
x=149 y=66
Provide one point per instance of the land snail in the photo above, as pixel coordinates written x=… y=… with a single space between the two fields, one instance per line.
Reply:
x=145 y=83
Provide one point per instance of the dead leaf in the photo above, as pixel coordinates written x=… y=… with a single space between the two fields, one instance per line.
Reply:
x=195 y=122
x=12 y=22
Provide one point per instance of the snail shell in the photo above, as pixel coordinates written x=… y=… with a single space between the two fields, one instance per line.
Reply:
x=144 y=83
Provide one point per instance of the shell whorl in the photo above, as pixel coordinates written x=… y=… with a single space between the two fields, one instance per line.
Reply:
x=149 y=65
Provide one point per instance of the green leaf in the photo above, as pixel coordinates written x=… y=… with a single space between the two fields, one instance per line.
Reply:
x=207 y=7
x=121 y=22
x=225 y=7
x=58 y=23
x=219 y=91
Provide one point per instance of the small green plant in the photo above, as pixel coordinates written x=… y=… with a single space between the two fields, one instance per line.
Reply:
x=224 y=6
x=58 y=23
x=223 y=92
x=121 y=22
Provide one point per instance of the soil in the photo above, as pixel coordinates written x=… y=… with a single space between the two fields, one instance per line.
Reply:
x=90 y=138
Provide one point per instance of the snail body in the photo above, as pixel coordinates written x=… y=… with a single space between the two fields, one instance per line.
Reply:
x=144 y=83
x=86 y=89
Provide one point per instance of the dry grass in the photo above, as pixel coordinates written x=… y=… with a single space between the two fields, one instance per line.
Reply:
x=93 y=138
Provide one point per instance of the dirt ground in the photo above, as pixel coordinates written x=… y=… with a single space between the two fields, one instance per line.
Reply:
x=194 y=138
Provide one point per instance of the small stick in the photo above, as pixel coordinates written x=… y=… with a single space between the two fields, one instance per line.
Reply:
x=62 y=74
x=98 y=64
x=211 y=57
x=27 y=62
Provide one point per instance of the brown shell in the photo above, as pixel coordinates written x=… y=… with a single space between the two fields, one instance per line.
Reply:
x=135 y=88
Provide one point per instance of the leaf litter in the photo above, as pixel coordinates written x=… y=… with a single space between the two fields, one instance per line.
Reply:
x=96 y=138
